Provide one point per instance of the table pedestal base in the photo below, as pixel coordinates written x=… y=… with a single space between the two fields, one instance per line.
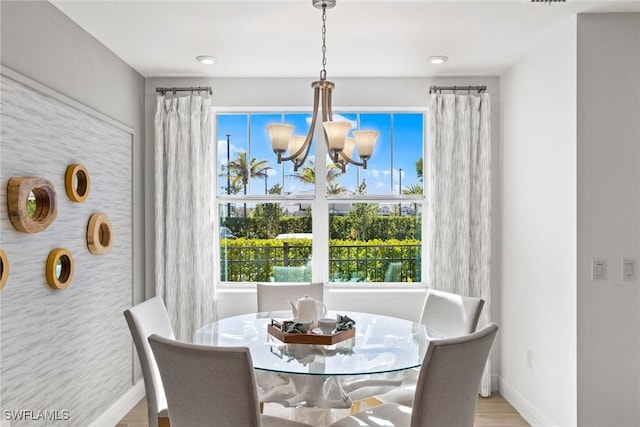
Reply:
x=318 y=391
x=319 y=417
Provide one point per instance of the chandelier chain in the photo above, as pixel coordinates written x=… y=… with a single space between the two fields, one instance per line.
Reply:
x=323 y=73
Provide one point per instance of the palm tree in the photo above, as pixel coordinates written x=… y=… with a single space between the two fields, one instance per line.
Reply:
x=414 y=189
x=235 y=185
x=334 y=188
x=419 y=170
x=307 y=175
x=243 y=170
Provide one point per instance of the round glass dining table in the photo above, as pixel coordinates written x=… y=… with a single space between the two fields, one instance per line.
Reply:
x=381 y=345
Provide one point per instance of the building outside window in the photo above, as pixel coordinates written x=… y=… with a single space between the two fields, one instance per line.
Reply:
x=277 y=224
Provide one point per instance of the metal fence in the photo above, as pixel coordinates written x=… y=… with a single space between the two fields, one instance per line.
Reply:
x=347 y=263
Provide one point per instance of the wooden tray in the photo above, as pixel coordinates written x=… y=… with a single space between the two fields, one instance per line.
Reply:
x=319 y=339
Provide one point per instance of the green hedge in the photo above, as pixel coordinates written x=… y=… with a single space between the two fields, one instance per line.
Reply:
x=374 y=227
x=252 y=260
x=350 y=227
x=259 y=228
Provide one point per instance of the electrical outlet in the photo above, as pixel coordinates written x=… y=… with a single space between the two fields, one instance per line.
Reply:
x=529 y=359
x=629 y=269
x=598 y=269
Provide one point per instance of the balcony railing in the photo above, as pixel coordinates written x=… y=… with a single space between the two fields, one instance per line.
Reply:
x=347 y=263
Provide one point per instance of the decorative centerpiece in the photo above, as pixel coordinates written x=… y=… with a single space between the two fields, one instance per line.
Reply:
x=299 y=332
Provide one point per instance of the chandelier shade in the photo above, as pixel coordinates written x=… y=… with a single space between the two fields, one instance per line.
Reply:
x=366 y=142
x=349 y=145
x=339 y=146
x=280 y=135
x=336 y=132
x=296 y=146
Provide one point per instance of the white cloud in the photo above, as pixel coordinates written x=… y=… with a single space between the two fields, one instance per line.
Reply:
x=396 y=173
x=336 y=118
x=222 y=151
x=379 y=173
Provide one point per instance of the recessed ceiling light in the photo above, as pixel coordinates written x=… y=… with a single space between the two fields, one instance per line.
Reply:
x=206 y=59
x=440 y=59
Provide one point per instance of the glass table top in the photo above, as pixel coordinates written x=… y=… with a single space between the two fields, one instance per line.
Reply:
x=382 y=344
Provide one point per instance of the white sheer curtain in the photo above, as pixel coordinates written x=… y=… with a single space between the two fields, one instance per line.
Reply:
x=459 y=200
x=184 y=222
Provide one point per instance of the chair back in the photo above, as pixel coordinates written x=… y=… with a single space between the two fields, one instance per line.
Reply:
x=451 y=314
x=274 y=297
x=292 y=273
x=393 y=273
x=144 y=319
x=449 y=381
x=207 y=386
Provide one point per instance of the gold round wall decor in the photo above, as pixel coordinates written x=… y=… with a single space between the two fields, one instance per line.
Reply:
x=77 y=182
x=4 y=269
x=60 y=268
x=32 y=203
x=99 y=234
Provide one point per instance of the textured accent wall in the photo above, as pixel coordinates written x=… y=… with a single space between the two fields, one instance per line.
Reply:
x=65 y=350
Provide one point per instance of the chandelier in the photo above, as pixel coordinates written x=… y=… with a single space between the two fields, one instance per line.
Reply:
x=339 y=146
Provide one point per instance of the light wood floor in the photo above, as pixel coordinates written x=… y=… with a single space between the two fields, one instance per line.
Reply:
x=490 y=412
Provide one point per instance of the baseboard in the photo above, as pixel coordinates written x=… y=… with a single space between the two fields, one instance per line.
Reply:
x=522 y=405
x=495 y=384
x=121 y=407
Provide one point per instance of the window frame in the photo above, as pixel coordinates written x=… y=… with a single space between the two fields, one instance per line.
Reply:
x=320 y=201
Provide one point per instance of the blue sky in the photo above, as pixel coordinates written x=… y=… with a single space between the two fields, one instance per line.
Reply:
x=381 y=175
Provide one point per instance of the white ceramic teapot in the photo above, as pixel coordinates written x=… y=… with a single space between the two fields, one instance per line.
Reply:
x=308 y=308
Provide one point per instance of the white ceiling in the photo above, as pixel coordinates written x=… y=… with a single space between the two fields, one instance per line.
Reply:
x=364 y=38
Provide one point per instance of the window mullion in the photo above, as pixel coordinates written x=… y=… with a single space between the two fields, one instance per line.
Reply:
x=320 y=212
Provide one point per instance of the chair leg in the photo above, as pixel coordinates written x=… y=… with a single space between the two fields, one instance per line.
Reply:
x=370 y=401
x=163 y=422
x=261 y=407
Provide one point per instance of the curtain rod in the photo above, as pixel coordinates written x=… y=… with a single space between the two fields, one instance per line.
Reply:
x=434 y=89
x=164 y=90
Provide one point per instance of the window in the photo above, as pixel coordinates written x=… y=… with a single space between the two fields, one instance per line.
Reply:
x=365 y=226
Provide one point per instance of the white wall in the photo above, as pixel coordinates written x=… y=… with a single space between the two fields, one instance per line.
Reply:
x=538 y=205
x=608 y=218
x=54 y=341
x=41 y=43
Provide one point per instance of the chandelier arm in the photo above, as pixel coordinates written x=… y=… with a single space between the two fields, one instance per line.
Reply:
x=353 y=162
x=312 y=127
x=328 y=94
x=327 y=116
x=307 y=142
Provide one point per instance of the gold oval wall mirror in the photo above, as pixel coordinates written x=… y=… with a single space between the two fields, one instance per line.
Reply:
x=32 y=203
x=4 y=269
x=60 y=268
x=99 y=234
x=77 y=182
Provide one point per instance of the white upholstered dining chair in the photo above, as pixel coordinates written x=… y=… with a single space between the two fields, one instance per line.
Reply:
x=209 y=386
x=274 y=296
x=144 y=319
x=450 y=314
x=274 y=387
x=446 y=393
